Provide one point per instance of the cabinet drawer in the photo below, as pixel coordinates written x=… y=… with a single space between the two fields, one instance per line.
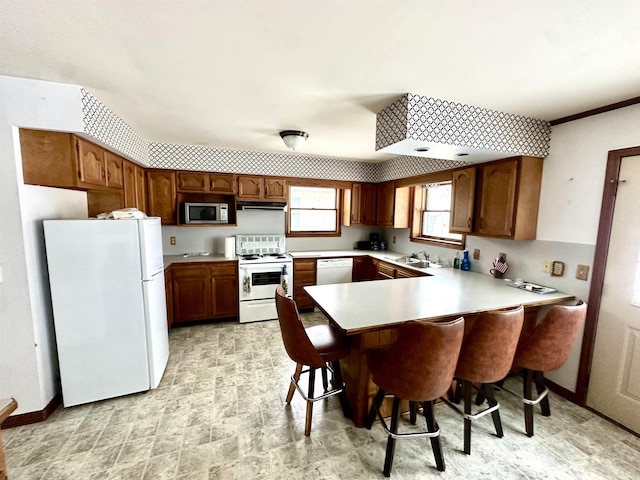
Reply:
x=307 y=264
x=227 y=268
x=184 y=271
x=386 y=270
x=305 y=278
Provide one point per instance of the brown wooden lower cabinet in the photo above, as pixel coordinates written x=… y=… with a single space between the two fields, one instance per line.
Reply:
x=304 y=274
x=363 y=269
x=203 y=291
x=168 y=285
x=388 y=271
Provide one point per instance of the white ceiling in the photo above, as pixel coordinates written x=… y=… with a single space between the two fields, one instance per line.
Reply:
x=233 y=73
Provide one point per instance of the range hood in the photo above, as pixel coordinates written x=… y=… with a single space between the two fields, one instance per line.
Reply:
x=257 y=205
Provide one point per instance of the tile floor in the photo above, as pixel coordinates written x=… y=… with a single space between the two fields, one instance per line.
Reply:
x=219 y=414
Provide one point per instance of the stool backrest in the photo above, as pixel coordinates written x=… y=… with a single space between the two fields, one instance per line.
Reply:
x=295 y=338
x=489 y=347
x=422 y=360
x=549 y=345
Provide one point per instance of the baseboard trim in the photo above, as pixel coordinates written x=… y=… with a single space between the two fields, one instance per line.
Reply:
x=33 y=417
x=563 y=392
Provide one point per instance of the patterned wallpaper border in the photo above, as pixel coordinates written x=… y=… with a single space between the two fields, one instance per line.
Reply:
x=409 y=115
x=441 y=121
x=105 y=126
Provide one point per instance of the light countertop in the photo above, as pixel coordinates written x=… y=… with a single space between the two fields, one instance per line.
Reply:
x=366 y=306
x=212 y=257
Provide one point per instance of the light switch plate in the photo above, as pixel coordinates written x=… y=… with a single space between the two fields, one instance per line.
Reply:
x=582 y=272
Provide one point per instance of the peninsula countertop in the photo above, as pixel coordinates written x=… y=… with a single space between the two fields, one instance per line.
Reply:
x=366 y=306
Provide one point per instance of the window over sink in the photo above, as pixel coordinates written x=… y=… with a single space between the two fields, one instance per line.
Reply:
x=432 y=215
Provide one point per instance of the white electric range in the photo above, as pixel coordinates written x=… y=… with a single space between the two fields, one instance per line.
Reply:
x=263 y=265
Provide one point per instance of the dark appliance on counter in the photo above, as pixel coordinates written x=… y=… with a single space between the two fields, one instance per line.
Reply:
x=363 y=245
x=374 y=239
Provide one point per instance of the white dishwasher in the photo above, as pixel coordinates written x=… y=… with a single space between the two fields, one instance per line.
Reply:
x=334 y=270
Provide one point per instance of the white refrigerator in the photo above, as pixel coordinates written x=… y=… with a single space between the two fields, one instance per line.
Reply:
x=109 y=306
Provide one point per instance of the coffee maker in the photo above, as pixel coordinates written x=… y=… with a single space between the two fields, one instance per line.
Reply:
x=374 y=238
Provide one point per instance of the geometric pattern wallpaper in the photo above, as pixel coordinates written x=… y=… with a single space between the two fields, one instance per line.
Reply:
x=410 y=115
x=105 y=126
x=407 y=166
x=440 y=121
x=191 y=157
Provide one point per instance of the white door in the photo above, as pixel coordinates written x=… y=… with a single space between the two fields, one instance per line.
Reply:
x=614 y=385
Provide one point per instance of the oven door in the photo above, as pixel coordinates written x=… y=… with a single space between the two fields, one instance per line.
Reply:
x=259 y=282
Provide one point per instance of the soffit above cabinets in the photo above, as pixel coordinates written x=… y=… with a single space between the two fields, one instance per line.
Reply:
x=433 y=128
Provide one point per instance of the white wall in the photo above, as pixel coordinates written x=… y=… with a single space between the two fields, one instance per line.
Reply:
x=211 y=239
x=27 y=360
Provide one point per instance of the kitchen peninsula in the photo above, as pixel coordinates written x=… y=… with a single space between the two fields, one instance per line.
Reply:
x=370 y=312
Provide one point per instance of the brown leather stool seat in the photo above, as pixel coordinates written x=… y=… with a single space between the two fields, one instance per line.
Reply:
x=418 y=367
x=486 y=357
x=320 y=346
x=547 y=349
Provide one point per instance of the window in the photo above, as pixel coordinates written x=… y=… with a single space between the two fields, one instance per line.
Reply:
x=313 y=211
x=434 y=201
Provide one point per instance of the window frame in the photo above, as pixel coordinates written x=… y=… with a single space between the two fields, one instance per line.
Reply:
x=315 y=233
x=418 y=211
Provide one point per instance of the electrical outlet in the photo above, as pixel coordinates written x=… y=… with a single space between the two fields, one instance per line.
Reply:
x=394 y=239
x=172 y=240
x=582 y=272
x=476 y=254
x=546 y=267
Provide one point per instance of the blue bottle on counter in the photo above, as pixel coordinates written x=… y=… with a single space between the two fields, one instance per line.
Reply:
x=465 y=264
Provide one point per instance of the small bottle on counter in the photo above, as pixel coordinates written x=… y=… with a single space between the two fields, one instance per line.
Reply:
x=456 y=260
x=465 y=264
x=285 y=279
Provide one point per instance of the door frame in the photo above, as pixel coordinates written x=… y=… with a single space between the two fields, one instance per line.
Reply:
x=611 y=180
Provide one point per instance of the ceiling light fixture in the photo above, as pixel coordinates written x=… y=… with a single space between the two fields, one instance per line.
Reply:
x=421 y=149
x=294 y=139
x=461 y=154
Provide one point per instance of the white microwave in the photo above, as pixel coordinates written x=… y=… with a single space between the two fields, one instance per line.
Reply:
x=206 y=213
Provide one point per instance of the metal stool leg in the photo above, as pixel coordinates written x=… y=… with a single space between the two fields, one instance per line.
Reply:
x=391 y=442
x=432 y=426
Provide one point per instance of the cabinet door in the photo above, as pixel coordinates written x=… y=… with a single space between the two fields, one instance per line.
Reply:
x=304 y=274
x=498 y=198
x=275 y=189
x=386 y=198
x=356 y=201
x=193 y=182
x=91 y=169
x=129 y=180
x=141 y=189
x=368 y=204
x=191 y=293
x=222 y=183
x=161 y=186
x=224 y=290
x=462 y=200
x=168 y=285
x=250 y=187
x=114 y=170
x=363 y=269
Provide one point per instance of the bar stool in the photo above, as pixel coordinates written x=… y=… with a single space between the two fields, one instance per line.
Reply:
x=486 y=357
x=418 y=367
x=320 y=346
x=546 y=349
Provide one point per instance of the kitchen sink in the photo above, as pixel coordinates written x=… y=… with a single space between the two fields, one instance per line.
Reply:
x=414 y=262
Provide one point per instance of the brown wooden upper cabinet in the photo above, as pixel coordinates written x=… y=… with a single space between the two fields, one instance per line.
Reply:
x=57 y=159
x=463 y=200
x=393 y=205
x=359 y=204
x=203 y=182
x=262 y=188
x=134 y=186
x=161 y=190
x=503 y=198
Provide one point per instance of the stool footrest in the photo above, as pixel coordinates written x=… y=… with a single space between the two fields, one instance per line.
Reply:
x=407 y=434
